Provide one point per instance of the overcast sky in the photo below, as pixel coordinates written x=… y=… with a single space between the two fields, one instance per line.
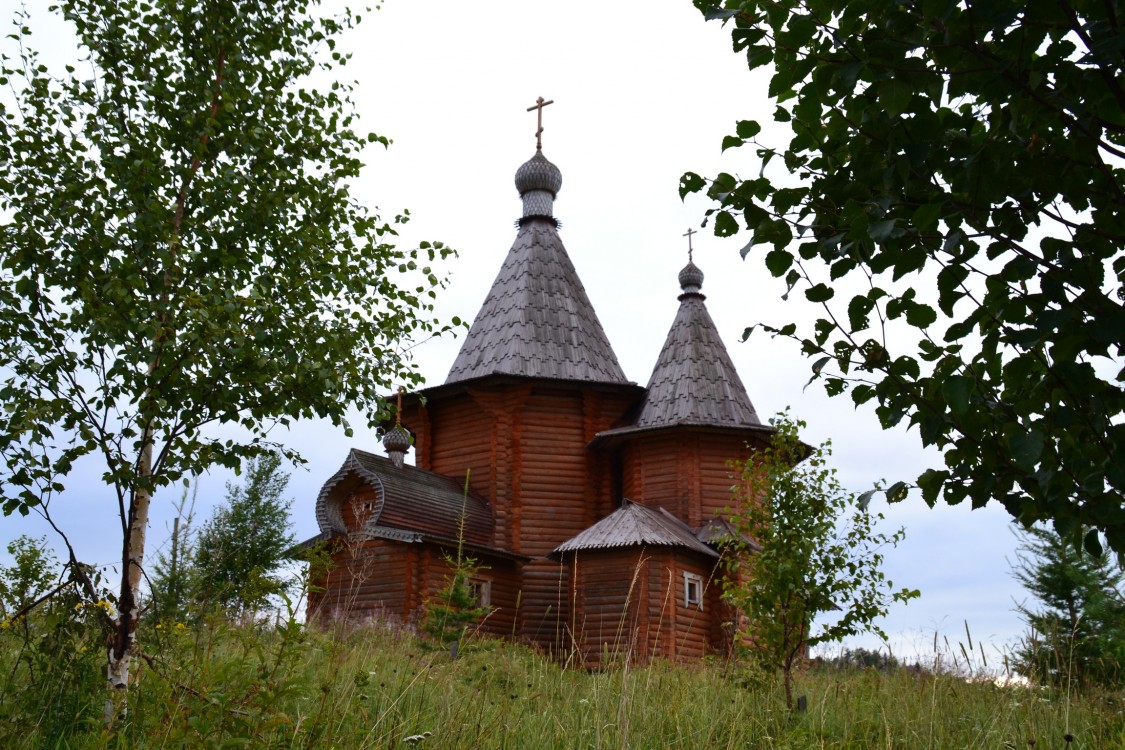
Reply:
x=643 y=91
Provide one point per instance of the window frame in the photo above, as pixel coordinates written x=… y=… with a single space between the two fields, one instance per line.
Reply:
x=481 y=591
x=693 y=580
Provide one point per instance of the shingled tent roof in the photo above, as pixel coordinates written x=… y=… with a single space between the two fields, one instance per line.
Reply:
x=410 y=504
x=634 y=525
x=694 y=382
x=537 y=320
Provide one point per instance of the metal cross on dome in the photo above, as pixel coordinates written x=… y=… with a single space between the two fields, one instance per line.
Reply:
x=539 y=105
x=688 y=234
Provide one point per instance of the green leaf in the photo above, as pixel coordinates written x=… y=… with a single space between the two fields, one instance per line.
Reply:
x=732 y=141
x=817 y=369
x=1026 y=447
x=921 y=316
x=690 y=182
x=894 y=95
x=778 y=261
x=725 y=224
x=930 y=482
x=897 y=492
x=956 y=390
x=927 y=216
x=1093 y=544
x=747 y=129
x=858 y=310
x=881 y=231
x=819 y=293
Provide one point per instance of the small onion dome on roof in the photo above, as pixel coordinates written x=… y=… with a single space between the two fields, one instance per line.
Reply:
x=396 y=442
x=538 y=174
x=691 y=279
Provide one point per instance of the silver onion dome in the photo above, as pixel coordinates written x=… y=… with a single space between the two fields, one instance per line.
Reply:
x=396 y=442
x=691 y=279
x=538 y=182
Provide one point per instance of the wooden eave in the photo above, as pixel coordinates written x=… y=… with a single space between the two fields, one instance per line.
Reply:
x=635 y=525
x=406 y=536
x=608 y=439
x=501 y=379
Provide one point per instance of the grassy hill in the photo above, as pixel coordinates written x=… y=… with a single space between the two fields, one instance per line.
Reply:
x=247 y=686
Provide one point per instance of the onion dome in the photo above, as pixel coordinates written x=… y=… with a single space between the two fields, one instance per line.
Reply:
x=538 y=182
x=691 y=279
x=396 y=442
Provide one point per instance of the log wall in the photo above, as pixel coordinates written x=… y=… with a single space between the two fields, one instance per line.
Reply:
x=390 y=582
x=687 y=473
x=629 y=605
x=502 y=573
x=685 y=631
x=369 y=580
x=460 y=441
x=605 y=625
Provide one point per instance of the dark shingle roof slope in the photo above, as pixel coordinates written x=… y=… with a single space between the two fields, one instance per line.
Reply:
x=634 y=525
x=537 y=320
x=694 y=382
x=410 y=503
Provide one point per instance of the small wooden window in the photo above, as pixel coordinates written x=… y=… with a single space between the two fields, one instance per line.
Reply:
x=481 y=590
x=693 y=590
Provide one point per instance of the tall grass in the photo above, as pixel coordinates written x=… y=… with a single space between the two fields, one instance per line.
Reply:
x=285 y=686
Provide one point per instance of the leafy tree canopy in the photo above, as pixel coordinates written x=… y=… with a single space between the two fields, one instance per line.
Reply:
x=952 y=198
x=179 y=251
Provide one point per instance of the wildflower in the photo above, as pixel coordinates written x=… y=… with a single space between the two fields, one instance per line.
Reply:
x=414 y=739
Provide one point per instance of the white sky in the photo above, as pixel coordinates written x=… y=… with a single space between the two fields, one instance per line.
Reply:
x=643 y=91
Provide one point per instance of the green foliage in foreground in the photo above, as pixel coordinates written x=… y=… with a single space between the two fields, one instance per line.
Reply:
x=818 y=553
x=220 y=685
x=952 y=201
x=241 y=549
x=1078 y=619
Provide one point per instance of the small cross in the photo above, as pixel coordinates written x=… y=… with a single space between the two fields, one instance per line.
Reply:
x=539 y=105
x=688 y=234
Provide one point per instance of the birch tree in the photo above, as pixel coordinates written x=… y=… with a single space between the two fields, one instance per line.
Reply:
x=817 y=552
x=182 y=266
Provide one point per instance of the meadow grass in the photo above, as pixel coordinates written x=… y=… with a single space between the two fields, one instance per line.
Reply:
x=222 y=685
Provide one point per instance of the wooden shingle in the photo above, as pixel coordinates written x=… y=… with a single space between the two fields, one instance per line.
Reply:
x=634 y=525
x=694 y=383
x=537 y=320
x=408 y=500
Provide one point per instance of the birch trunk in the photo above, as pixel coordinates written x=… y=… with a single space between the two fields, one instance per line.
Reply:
x=124 y=641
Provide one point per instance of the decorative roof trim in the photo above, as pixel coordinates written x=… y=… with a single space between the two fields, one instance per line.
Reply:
x=374 y=531
x=328 y=516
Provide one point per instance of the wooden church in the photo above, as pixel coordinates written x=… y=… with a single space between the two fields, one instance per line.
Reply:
x=593 y=506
